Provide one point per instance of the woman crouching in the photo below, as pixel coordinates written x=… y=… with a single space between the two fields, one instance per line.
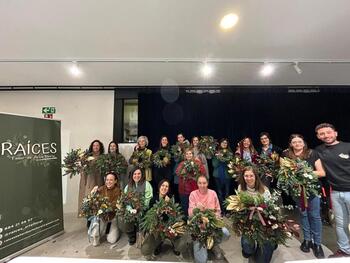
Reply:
x=99 y=225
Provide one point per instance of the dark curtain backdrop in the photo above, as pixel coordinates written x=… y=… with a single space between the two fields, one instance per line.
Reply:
x=238 y=112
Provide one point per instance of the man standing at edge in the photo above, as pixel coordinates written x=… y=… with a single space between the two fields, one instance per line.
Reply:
x=335 y=156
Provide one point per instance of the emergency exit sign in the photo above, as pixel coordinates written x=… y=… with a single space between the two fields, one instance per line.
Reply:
x=49 y=110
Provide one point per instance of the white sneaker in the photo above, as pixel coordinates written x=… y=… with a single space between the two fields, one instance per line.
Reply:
x=95 y=241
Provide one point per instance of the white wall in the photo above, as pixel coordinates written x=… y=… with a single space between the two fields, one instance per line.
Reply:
x=84 y=115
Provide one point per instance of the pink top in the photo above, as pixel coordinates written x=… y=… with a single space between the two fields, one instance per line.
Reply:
x=208 y=201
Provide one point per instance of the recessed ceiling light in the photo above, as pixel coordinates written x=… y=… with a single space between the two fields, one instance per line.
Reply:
x=267 y=70
x=75 y=70
x=207 y=70
x=229 y=21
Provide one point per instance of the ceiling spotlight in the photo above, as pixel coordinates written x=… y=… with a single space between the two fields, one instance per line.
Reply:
x=297 y=68
x=266 y=70
x=207 y=70
x=228 y=21
x=75 y=70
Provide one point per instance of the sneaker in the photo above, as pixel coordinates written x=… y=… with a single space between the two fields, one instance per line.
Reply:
x=339 y=253
x=306 y=245
x=318 y=251
x=95 y=241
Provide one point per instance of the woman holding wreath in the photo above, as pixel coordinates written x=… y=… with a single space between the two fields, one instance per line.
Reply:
x=141 y=157
x=91 y=175
x=223 y=181
x=188 y=171
x=170 y=214
x=204 y=198
x=198 y=155
x=250 y=183
x=98 y=227
x=161 y=163
x=113 y=151
x=138 y=185
x=310 y=217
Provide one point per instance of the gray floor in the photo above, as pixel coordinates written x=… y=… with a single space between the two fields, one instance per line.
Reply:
x=74 y=243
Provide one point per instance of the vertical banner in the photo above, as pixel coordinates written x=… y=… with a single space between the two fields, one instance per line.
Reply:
x=30 y=181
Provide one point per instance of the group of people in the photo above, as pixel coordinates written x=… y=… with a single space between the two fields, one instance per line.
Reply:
x=331 y=160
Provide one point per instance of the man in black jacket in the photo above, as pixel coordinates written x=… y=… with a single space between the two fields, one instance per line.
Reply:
x=335 y=156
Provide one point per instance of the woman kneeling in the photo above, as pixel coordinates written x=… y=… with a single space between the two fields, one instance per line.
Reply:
x=249 y=182
x=99 y=225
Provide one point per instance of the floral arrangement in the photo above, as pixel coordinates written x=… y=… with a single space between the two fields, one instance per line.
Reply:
x=205 y=227
x=236 y=166
x=224 y=155
x=268 y=164
x=112 y=163
x=161 y=158
x=75 y=162
x=257 y=218
x=164 y=220
x=130 y=207
x=177 y=150
x=297 y=178
x=207 y=145
x=141 y=159
x=189 y=170
x=97 y=205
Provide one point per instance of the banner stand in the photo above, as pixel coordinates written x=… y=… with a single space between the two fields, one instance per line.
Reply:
x=31 y=207
x=24 y=250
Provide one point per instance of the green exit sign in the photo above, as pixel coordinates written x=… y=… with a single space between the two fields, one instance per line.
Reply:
x=48 y=110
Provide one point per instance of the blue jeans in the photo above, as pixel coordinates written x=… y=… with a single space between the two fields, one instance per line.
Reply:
x=201 y=253
x=223 y=190
x=261 y=255
x=311 y=222
x=184 y=200
x=341 y=210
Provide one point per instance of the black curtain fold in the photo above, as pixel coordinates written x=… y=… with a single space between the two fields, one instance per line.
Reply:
x=238 y=112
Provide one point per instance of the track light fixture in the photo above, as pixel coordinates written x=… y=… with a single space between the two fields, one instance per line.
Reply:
x=297 y=68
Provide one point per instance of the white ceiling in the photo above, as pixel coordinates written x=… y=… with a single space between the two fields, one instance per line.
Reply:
x=173 y=29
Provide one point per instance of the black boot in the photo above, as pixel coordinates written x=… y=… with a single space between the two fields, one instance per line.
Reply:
x=318 y=251
x=306 y=245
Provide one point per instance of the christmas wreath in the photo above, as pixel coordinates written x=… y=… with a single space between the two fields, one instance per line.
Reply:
x=224 y=155
x=207 y=145
x=112 y=163
x=161 y=158
x=236 y=165
x=96 y=205
x=205 y=227
x=177 y=150
x=75 y=162
x=130 y=207
x=297 y=178
x=268 y=164
x=189 y=170
x=141 y=159
x=164 y=220
x=257 y=218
